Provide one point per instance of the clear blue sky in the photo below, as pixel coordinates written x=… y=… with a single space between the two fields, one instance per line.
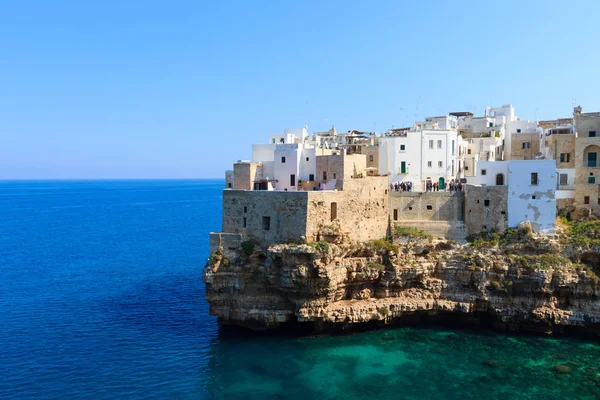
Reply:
x=181 y=89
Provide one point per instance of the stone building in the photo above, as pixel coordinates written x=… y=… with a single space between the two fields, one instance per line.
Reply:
x=486 y=208
x=246 y=175
x=360 y=211
x=525 y=145
x=372 y=153
x=587 y=164
x=335 y=169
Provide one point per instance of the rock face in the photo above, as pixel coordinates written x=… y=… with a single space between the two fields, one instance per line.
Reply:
x=519 y=282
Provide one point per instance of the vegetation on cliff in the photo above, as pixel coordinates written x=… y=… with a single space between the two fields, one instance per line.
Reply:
x=516 y=276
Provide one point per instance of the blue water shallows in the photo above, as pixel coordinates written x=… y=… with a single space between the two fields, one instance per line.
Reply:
x=101 y=298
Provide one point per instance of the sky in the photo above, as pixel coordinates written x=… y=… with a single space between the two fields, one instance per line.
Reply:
x=181 y=89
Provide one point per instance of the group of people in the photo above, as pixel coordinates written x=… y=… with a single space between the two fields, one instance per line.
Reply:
x=401 y=186
x=452 y=186
x=455 y=186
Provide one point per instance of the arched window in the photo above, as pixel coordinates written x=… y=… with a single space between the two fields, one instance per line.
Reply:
x=500 y=179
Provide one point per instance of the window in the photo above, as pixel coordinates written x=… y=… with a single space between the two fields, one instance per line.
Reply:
x=333 y=211
x=453 y=148
x=484 y=172
x=395 y=215
x=499 y=179
x=439 y=144
x=311 y=177
x=273 y=140
x=429 y=164
x=491 y=124
x=518 y=131
x=403 y=167
x=592 y=179
x=563 y=179
x=486 y=203
x=244 y=222
x=282 y=140
x=526 y=145
x=565 y=157
x=292 y=180
x=245 y=209
x=324 y=175
x=592 y=157
x=466 y=167
x=283 y=160
x=371 y=158
x=402 y=147
x=334 y=175
x=592 y=134
x=431 y=144
x=229 y=185
x=440 y=164
x=586 y=200
x=429 y=207
x=468 y=151
x=306 y=158
x=534 y=178
x=266 y=223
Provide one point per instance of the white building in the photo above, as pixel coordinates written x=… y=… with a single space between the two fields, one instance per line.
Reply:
x=481 y=149
x=420 y=155
x=287 y=159
x=531 y=190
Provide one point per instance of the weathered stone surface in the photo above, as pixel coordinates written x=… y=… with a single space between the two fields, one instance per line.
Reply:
x=347 y=284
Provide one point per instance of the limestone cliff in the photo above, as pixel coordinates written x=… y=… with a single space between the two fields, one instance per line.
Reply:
x=516 y=280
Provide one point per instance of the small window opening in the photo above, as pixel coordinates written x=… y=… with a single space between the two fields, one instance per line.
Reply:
x=266 y=223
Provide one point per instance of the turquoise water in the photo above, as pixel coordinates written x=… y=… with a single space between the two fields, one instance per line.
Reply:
x=101 y=298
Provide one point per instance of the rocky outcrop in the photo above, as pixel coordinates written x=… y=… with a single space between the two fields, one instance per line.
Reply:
x=516 y=281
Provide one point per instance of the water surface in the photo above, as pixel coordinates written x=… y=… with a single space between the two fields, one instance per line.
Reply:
x=101 y=298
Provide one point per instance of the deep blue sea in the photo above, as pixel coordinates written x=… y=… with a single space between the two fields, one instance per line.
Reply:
x=101 y=297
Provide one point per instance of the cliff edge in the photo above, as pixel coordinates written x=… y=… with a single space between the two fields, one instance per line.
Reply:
x=515 y=280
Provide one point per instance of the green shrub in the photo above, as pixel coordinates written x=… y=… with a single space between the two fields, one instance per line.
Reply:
x=321 y=247
x=584 y=233
x=545 y=261
x=485 y=240
x=248 y=246
x=377 y=266
x=383 y=311
x=411 y=232
x=382 y=244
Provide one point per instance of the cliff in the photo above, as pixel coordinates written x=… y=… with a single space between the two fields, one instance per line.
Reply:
x=517 y=280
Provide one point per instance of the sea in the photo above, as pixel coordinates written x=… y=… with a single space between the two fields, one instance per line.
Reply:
x=101 y=297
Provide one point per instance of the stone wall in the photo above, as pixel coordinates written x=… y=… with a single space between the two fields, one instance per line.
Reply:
x=245 y=174
x=360 y=210
x=563 y=144
x=486 y=208
x=435 y=206
x=516 y=148
x=270 y=216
